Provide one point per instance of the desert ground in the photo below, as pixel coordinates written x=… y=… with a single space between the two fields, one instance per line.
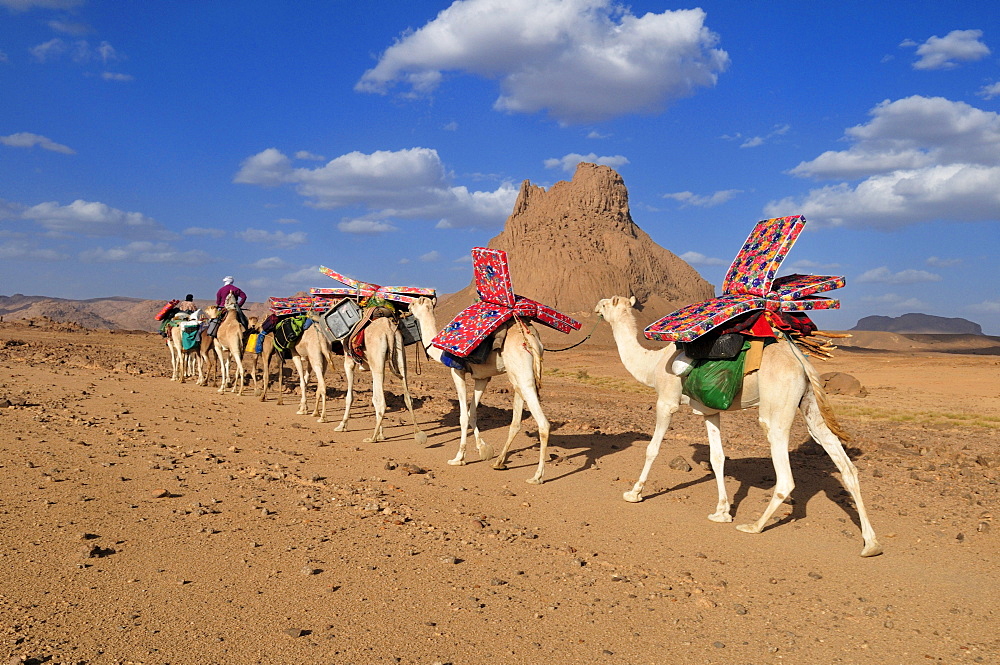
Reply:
x=146 y=521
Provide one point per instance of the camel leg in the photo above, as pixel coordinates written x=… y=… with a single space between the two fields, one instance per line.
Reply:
x=777 y=424
x=718 y=460
x=240 y=379
x=418 y=435
x=297 y=362
x=378 y=398
x=223 y=369
x=667 y=404
x=535 y=408
x=463 y=414
x=848 y=472
x=349 y=366
x=319 y=367
x=517 y=414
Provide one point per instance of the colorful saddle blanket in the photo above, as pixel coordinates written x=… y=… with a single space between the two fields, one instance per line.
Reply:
x=498 y=304
x=750 y=285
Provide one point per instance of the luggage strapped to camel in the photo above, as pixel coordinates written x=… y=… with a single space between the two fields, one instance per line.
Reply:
x=725 y=336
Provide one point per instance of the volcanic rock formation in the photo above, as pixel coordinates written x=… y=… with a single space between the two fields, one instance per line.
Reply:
x=576 y=243
x=920 y=324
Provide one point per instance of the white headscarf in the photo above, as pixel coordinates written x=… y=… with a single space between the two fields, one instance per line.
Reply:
x=226 y=281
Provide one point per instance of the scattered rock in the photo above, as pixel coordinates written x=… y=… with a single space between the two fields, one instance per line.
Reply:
x=680 y=464
x=160 y=494
x=839 y=383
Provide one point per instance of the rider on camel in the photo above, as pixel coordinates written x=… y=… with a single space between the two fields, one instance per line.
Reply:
x=227 y=288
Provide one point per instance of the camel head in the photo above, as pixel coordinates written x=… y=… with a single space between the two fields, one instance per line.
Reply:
x=613 y=308
x=423 y=306
x=211 y=311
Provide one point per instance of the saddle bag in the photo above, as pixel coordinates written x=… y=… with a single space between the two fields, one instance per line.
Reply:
x=342 y=317
x=715 y=347
x=212 y=327
x=409 y=327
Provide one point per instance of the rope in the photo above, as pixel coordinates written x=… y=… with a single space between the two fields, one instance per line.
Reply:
x=593 y=330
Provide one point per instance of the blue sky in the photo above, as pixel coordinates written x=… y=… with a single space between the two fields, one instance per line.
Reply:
x=148 y=149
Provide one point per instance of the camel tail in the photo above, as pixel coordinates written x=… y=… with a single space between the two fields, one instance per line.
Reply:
x=825 y=408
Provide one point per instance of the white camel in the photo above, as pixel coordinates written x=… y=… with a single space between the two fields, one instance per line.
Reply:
x=229 y=344
x=184 y=362
x=383 y=346
x=521 y=359
x=785 y=381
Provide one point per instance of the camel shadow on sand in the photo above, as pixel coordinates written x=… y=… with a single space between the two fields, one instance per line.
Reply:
x=814 y=471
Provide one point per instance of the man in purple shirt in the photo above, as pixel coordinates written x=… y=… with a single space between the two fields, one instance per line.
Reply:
x=227 y=288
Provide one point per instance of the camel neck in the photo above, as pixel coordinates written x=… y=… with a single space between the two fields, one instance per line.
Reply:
x=428 y=329
x=638 y=360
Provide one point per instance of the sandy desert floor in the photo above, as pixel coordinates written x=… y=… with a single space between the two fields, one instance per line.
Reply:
x=145 y=521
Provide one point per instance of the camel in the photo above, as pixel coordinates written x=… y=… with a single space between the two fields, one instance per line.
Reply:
x=183 y=362
x=520 y=358
x=313 y=348
x=785 y=381
x=383 y=346
x=228 y=344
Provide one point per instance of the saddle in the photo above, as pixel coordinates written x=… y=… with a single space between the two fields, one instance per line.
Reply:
x=288 y=331
x=354 y=343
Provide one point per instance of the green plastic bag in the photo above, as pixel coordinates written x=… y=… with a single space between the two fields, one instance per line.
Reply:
x=715 y=383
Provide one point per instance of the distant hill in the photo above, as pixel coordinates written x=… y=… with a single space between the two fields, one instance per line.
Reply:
x=575 y=243
x=114 y=313
x=922 y=324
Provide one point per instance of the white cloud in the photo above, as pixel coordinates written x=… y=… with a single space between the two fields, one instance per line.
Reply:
x=365 y=226
x=942 y=52
x=989 y=91
x=779 y=130
x=17 y=249
x=569 y=162
x=286 y=220
x=923 y=159
x=92 y=218
x=404 y=184
x=4 y=57
x=451 y=127
x=805 y=266
x=25 y=5
x=200 y=231
x=580 y=60
x=594 y=134
x=146 y=252
x=274 y=238
x=119 y=78
x=893 y=303
x=305 y=276
x=699 y=259
x=29 y=140
x=270 y=263
x=882 y=275
x=312 y=157
x=430 y=256
x=710 y=201
x=938 y=262
x=987 y=306
x=74 y=28
x=80 y=51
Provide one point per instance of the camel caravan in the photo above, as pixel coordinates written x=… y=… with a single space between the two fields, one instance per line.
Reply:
x=747 y=348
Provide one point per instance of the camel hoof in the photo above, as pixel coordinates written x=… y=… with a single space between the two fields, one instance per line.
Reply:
x=632 y=497
x=500 y=467
x=534 y=481
x=747 y=528
x=340 y=428
x=721 y=517
x=873 y=549
x=485 y=451
x=456 y=462
x=420 y=438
